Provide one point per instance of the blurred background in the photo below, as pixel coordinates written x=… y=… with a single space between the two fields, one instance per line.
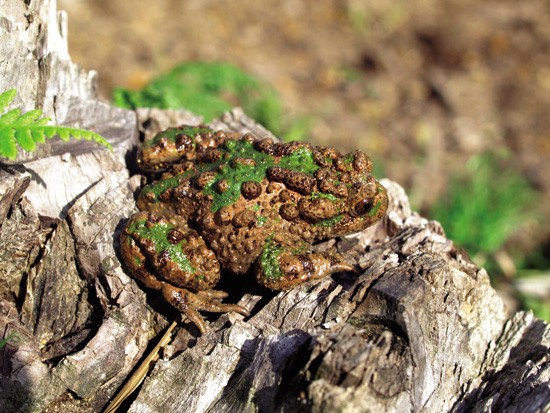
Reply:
x=450 y=98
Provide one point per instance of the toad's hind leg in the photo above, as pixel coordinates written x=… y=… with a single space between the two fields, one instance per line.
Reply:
x=280 y=267
x=188 y=302
x=143 y=261
x=191 y=303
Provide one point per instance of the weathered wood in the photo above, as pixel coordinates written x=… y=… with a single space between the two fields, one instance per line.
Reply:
x=418 y=328
x=35 y=61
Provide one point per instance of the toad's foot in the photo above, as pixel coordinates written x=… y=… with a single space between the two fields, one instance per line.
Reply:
x=280 y=268
x=190 y=303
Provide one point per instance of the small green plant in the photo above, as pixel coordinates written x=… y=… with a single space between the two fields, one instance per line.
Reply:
x=5 y=340
x=534 y=268
x=209 y=89
x=28 y=129
x=485 y=205
x=539 y=306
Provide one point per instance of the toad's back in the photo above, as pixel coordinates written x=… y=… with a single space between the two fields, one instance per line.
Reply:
x=239 y=192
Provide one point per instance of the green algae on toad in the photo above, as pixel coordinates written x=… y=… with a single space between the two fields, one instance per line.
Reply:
x=244 y=205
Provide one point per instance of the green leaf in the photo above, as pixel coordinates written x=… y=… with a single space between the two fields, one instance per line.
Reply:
x=63 y=134
x=38 y=136
x=5 y=340
x=6 y=98
x=28 y=118
x=42 y=121
x=31 y=128
x=24 y=139
x=10 y=117
x=8 y=146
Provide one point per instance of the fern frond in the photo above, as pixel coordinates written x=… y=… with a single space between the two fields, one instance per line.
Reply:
x=30 y=128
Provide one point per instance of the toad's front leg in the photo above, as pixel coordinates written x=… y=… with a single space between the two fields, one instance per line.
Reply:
x=169 y=257
x=281 y=267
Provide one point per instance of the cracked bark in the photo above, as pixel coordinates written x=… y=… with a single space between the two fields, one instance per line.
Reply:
x=419 y=329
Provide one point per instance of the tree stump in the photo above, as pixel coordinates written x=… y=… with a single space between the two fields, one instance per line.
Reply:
x=418 y=329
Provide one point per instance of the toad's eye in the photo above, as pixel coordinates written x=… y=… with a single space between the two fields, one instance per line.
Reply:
x=363 y=206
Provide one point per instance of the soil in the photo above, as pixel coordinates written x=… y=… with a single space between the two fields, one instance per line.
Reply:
x=420 y=85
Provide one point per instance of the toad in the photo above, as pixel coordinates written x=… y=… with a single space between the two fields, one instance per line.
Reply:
x=246 y=206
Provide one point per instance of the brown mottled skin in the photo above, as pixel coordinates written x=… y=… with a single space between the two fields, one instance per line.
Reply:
x=282 y=214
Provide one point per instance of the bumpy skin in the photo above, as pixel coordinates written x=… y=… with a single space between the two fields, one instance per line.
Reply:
x=244 y=205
